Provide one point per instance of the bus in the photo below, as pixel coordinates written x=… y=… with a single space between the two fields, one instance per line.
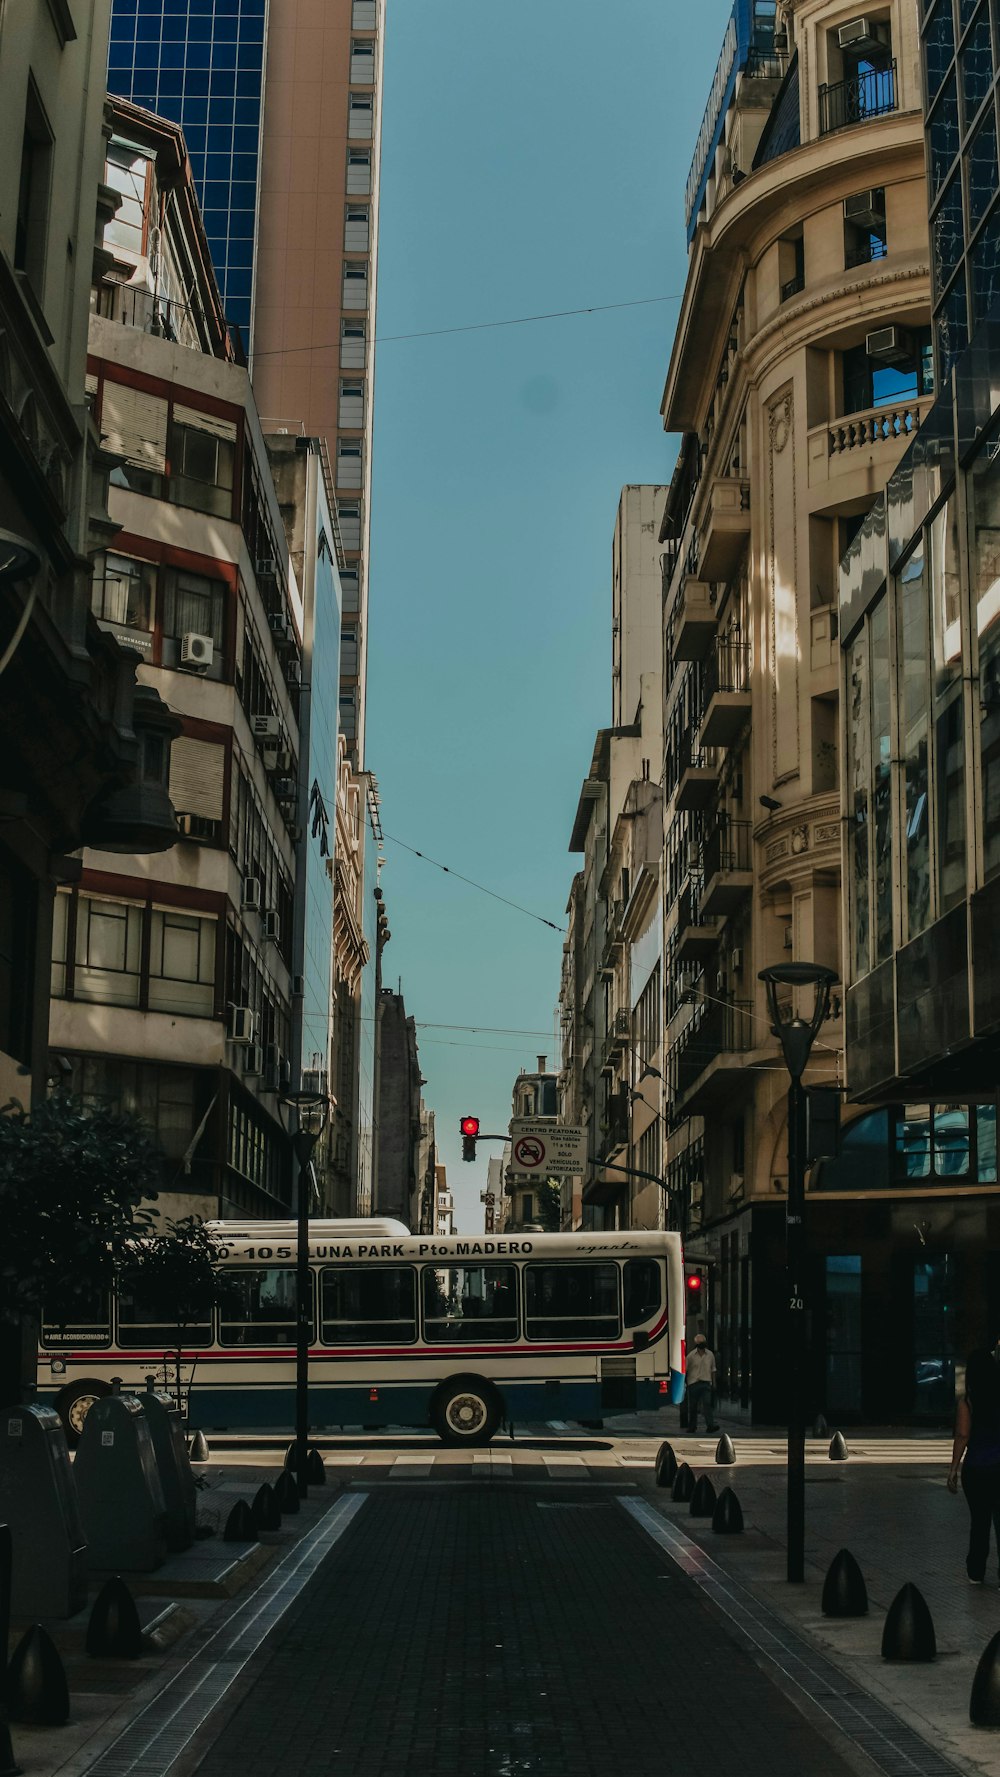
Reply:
x=460 y=1333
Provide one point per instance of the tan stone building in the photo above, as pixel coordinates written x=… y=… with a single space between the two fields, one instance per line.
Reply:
x=801 y=367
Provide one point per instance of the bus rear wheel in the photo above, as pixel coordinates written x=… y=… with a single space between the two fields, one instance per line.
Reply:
x=465 y=1410
x=74 y=1402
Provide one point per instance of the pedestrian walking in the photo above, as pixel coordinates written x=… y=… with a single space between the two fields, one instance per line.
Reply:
x=701 y=1384
x=977 y=1440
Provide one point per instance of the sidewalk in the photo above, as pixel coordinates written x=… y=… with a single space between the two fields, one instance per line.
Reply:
x=889 y=1505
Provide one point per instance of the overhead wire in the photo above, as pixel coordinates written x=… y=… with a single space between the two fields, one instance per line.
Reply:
x=481 y=886
x=596 y=308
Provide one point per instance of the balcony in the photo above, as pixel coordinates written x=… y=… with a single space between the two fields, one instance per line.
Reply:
x=857 y=99
x=618 y=1034
x=614 y=1131
x=697 y=937
x=612 y=935
x=698 y=784
x=694 y=620
x=726 y=693
x=725 y=530
x=728 y=857
x=707 y=1059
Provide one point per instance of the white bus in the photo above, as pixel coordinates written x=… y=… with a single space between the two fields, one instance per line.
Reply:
x=461 y=1333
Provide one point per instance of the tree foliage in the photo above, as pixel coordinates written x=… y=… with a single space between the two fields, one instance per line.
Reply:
x=75 y=1188
x=550 y=1206
x=175 y=1273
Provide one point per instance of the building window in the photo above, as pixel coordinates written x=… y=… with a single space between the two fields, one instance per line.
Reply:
x=202 y=452
x=984 y=511
x=348 y=653
x=350 y=587
x=357 y=229
x=362 y=62
x=182 y=963
x=134 y=427
x=894 y=365
x=350 y=462
x=192 y=603
x=352 y=405
x=355 y=284
x=360 y=117
x=353 y=345
x=31 y=224
x=364 y=15
x=359 y=172
x=164 y=1097
x=865 y=238
x=349 y=514
x=123 y=592
x=108 y=952
x=791 y=266
x=860 y=53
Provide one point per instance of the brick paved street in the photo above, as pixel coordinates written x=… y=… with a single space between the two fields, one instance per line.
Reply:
x=458 y=1630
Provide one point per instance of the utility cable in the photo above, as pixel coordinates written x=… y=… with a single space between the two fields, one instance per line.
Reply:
x=597 y=308
x=481 y=886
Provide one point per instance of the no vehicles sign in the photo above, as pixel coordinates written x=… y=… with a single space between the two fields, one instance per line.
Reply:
x=543 y=1149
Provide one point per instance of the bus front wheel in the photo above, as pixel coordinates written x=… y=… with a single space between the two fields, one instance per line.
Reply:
x=74 y=1402
x=465 y=1410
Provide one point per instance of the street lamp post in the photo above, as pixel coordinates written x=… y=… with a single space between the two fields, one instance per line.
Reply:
x=796 y=1036
x=304 y=1115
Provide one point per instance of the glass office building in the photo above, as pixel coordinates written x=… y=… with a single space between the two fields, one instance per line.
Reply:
x=961 y=42
x=201 y=64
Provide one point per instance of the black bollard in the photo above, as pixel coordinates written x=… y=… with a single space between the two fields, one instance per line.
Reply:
x=666 y=1466
x=315 y=1472
x=264 y=1509
x=240 y=1527
x=702 y=1499
x=37 y=1691
x=820 y=1427
x=838 y=1448
x=198 y=1449
x=286 y=1491
x=725 y=1454
x=683 y=1486
x=114 y=1628
x=844 y=1590
x=727 y=1519
x=909 y=1627
x=984 y=1703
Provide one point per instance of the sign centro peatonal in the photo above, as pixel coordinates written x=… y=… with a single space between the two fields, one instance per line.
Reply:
x=540 y=1148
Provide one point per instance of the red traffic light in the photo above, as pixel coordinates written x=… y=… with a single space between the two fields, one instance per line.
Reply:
x=694 y=1282
x=469 y=1126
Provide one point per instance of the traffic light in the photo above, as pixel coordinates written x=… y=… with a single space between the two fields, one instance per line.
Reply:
x=470 y=1129
x=695 y=1291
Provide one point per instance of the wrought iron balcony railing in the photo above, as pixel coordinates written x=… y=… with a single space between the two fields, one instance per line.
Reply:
x=871 y=93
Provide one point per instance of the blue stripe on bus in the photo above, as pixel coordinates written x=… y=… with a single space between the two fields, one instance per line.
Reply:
x=216 y=1409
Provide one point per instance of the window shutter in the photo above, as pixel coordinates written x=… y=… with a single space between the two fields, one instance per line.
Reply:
x=197 y=777
x=134 y=425
x=206 y=422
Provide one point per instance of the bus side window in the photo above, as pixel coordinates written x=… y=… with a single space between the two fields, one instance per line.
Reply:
x=643 y=1290
x=86 y=1321
x=260 y=1307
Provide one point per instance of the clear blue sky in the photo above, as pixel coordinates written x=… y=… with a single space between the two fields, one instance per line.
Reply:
x=534 y=156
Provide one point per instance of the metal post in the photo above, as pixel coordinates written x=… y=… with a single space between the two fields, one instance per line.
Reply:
x=795 y=1259
x=303 y=1325
x=9 y=1766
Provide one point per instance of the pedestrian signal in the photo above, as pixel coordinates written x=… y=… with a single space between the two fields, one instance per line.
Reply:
x=470 y=1130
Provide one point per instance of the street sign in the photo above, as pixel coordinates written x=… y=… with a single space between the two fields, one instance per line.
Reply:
x=540 y=1148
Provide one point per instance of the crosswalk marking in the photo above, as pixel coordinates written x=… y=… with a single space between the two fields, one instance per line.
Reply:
x=417 y=1465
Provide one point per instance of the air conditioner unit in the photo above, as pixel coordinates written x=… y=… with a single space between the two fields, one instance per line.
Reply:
x=293 y=673
x=241 y=1024
x=788 y=937
x=736 y=960
x=891 y=345
x=197 y=652
x=859 y=34
x=251 y=898
x=281 y=629
x=197 y=826
x=284 y=788
x=294 y=831
x=693 y=854
x=720 y=981
x=266 y=727
x=277 y=1071
x=278 y=760
x=298 y=986
x=736 y=1184
x=254 y=1060
x=266 y=567
x=272 y=925
x=866 y=209
x=781 y=42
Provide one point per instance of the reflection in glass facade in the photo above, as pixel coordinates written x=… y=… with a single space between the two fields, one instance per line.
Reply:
x=201 y=64
x=323 y=659
x=961 y=61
